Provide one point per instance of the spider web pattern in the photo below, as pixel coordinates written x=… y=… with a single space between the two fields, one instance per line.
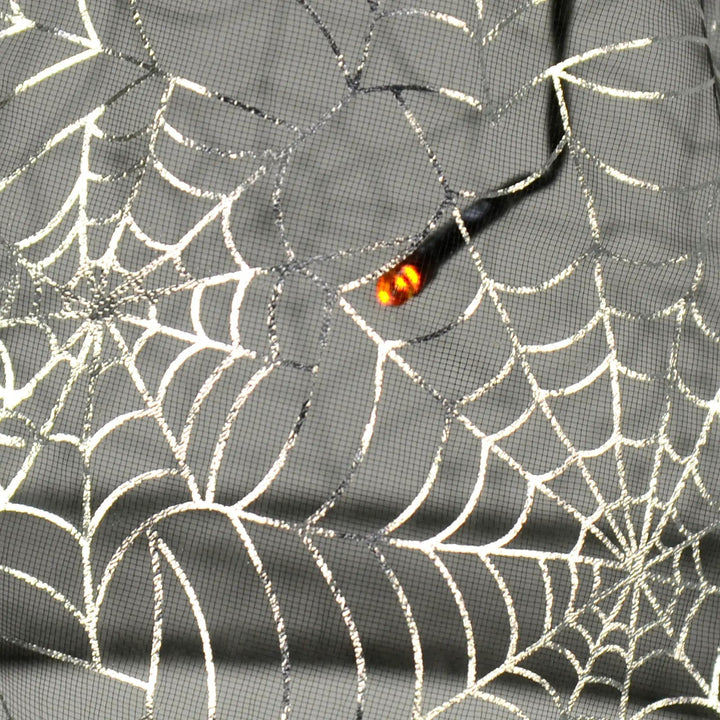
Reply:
x=212 y=436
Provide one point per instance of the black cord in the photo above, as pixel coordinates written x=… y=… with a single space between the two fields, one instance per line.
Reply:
x=396 y=286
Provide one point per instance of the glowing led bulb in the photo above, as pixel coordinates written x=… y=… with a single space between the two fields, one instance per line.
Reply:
x=398 y=285
x=409 y=277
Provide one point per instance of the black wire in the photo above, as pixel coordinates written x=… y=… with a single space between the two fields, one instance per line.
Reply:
x=441 y=244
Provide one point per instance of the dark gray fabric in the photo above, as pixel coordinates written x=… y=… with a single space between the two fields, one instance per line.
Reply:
x=234 y=484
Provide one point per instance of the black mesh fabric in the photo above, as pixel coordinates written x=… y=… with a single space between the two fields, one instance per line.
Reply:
x=238 y=481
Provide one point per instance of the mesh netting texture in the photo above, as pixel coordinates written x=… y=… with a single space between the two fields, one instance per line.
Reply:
x=237 y=481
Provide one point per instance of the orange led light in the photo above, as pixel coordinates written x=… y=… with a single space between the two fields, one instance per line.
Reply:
x=398 y=285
